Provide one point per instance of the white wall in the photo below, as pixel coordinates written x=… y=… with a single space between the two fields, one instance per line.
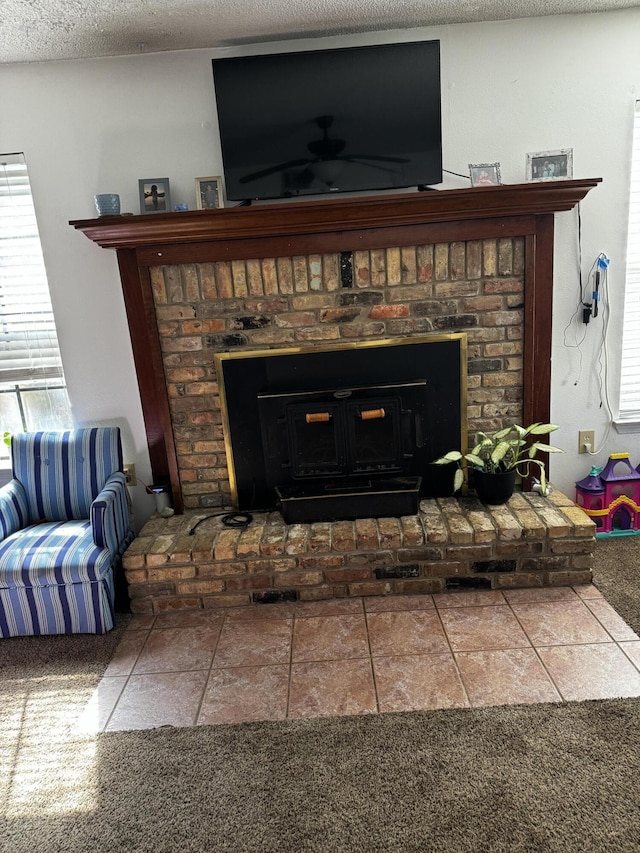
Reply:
x=509 y=88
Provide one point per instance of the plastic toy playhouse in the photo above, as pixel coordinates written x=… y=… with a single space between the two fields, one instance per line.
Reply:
x=610 y=496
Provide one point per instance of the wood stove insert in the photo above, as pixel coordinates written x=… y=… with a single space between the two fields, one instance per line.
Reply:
x=343 y=432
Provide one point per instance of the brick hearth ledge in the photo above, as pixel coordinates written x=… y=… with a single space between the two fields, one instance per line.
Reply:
x=529 y=542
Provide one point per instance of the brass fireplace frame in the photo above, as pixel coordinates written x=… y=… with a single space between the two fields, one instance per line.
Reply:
x=222 y=357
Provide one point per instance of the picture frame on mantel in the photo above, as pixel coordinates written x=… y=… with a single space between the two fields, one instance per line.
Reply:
x=155 y=196
x=209 y=193
x=484 y=174
x=550 y=165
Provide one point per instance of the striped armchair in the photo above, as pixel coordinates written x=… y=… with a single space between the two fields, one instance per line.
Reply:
x=64 y=525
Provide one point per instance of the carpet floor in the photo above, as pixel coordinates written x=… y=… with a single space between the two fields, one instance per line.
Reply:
x=527 y=778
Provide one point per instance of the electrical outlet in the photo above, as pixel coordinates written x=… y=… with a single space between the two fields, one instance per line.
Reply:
x=586 y=436
x=130 y=474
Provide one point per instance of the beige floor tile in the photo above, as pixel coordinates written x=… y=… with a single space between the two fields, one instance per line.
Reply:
x=178 y=649
x=418 y=683
x=331 y=688
x=560 y=623
x=127 y=653
x=482 y=628
x=469 y=598
x=159 y=699
x=252 y=643
x=599 y=671
x=587 y=590
x=159 y=672
x=189 y=619
x=260 y=612
x=330 y=638
x=99 y=708
x=610 y=620
x=411 y=632
x=505 y=677
x=244 y=694
x=632 y=650
x=141 y=622
x=329 y=607
x=381 y=603
x=538 y=594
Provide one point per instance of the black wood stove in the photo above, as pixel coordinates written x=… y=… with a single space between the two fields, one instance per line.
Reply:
x=346 y=432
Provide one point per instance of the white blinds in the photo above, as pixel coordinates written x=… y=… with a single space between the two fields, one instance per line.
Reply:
x=630 y=376
x=28 y=341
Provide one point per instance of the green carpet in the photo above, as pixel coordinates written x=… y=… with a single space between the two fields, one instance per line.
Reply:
x=528 y=778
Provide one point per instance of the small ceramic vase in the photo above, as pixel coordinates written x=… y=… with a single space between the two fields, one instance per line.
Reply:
x=107 y=204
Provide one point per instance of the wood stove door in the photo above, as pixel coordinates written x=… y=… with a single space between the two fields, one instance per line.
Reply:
x=316 y=440
x=374 y=436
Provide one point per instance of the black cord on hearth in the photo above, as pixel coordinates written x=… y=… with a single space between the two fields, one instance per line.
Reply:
x=229 y=519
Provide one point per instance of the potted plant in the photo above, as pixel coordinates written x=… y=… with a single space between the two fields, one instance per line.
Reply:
x=497 y=458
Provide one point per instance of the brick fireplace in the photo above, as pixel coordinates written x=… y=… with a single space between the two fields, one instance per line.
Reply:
x=392 y=293
x=319 y=274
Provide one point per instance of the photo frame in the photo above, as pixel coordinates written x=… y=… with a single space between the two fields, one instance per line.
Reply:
x=550 y=165
x=484 y=174
x=155 y=196
x=209 y=193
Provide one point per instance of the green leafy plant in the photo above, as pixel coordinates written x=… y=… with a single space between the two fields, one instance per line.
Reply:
x=507 y=449
x=6 y=437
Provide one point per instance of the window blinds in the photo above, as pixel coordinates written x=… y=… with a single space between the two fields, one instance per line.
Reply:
x=28 y=341
x=630 y=371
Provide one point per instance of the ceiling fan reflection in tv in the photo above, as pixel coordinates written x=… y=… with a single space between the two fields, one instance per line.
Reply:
x=324 y=164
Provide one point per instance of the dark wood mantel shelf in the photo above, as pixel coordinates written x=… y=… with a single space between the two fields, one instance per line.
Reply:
x=332 y=225
x=331 y=215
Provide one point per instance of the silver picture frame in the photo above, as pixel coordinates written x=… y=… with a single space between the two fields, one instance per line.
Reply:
x=155 y=196
x=550 y=165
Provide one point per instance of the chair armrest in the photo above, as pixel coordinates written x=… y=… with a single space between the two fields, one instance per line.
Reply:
x=14 y=509
x=111 y=516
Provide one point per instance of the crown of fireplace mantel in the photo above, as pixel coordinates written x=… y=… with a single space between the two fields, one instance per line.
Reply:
x=332 y=225
x=332 y=214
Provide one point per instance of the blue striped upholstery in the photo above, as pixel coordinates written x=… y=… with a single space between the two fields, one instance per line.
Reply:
x=14 y=510
x=110 y=516
x=79 y=608
x=64 y=525
x=62 y=472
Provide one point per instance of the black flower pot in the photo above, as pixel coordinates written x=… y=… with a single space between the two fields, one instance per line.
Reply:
x=437 y=481
x=494 y=488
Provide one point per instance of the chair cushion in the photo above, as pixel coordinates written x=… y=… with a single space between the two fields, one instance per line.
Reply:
x=51 y=554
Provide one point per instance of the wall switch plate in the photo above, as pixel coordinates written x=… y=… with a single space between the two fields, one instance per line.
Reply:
x=586 y=436
x=130 y=474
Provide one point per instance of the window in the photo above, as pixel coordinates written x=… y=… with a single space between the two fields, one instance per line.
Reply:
x=630 y=373
x=33 y=394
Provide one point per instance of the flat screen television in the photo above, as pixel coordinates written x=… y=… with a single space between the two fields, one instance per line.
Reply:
x=330 y=121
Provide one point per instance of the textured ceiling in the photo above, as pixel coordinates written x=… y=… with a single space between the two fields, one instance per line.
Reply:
x=40 y=30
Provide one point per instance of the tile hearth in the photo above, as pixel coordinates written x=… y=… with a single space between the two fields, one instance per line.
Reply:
x=367 y=655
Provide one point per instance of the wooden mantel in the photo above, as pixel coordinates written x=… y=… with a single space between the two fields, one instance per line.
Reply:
x=332 y=225
x=330 y=215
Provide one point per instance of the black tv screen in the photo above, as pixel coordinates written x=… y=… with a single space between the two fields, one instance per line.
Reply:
x=330 y=121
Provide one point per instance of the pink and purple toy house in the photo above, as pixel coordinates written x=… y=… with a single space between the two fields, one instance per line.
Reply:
x=610 y=496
